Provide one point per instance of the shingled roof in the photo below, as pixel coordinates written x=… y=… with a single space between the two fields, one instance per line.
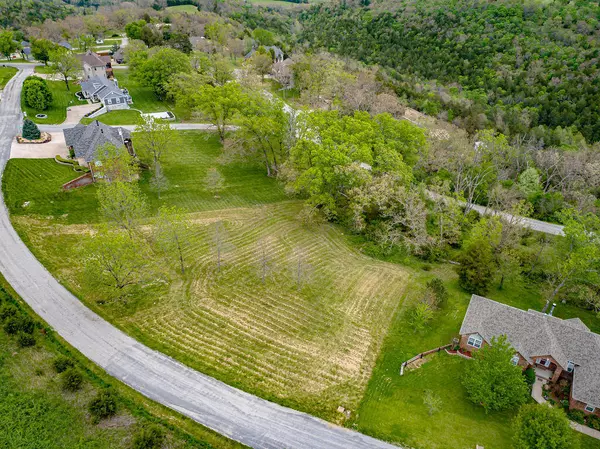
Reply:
x=534 y=334
x=85 y=139
x=92 y=59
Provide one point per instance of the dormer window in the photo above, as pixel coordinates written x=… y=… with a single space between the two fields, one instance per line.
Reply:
x=570 y=366
x=475 y=340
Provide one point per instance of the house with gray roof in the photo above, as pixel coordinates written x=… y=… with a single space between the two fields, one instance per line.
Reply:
x=554 y=347
x=95 y=65
x=107 y=92
x=84 y=141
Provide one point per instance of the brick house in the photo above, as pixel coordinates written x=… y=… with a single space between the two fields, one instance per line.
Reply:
x=554 y=347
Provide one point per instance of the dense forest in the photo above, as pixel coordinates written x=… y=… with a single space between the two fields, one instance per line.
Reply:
x=16 y=13
x=521 y=67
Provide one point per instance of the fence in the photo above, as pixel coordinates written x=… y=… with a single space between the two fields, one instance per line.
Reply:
x=420 y=356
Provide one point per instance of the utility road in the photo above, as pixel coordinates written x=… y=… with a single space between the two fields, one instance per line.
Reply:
x=248 y=419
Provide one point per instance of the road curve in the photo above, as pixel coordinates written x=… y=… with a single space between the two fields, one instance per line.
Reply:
x=238 y=415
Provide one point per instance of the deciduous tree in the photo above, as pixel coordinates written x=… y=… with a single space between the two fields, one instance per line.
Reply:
x=538 y=426
x=65 y=64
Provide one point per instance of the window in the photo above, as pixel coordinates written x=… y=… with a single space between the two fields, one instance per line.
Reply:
x=570 y=366
x=589 y=408
x=544 y=362
x=515 y=359
x=475 y=341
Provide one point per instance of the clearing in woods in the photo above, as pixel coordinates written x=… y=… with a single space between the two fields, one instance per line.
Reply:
x=307 y=336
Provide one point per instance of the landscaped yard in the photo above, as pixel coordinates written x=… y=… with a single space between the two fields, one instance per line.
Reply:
x=312 y=347
x=46 y=69
x=118 y=117
x=143 y=97
x=6 y=73
x=62 y=99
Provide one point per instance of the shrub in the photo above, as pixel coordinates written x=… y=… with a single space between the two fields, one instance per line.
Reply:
x=39 y=372
x=16 y=324
x=104 y=405
x=25 y=340
x=36 y=93
x=30 y=130
x=594 y=422
x=476 y=272
x=62 y=363
x=577 y=415
x=436 y=290
x=150 y=437
x=540 y=426
x=7 y=311
x=529 y=374
x=71 y=380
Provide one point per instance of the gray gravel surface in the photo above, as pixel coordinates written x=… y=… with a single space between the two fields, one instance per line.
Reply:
x=238 y=415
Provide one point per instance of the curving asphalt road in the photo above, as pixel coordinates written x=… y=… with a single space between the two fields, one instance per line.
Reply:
x=238 y=415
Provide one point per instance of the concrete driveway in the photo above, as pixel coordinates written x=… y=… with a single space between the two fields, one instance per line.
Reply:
x=76 y=113
x=40 y=151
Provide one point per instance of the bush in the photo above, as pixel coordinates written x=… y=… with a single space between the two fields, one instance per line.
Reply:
x=104 y=405
x=150 y=437
x=7 y=311
x=62 y=363
x=16 y=324
x=25 y=340
x=30 y=130
x=476 y=272
x=529 y=374
x=540 y=426
x=577 y=415
x=593 y=421
x=36 y=93
x=436 y=291
x=71 y=380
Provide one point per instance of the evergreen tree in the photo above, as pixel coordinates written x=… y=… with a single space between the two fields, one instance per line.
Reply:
x=30 y=130
x=475 y=272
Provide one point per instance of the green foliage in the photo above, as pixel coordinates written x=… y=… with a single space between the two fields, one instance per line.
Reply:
x=577 y=415
x=134 y=29
x=160 y=67
x=476 y=269
x=71 y=380
x=122 y=204
x=19 y=323
x=538 y=426
x=515 y=68
x=103 y=406
x=149 y=437
x=529 y=374
x=36 y=93
x=30 y=130
x=436 y=293
x=529 y=182
x=41 y=48
x=7 y=311
x=8 y=44
x=263 y=37
x=420 y=317
x=492 y=381
x=25 y=340
x=61 y=363
x=65 y=64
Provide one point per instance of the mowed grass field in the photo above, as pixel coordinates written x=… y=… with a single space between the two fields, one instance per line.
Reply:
x=62 y=99
x=143 y=97
x=118 y=117
x=6 y=73
x=310 y=344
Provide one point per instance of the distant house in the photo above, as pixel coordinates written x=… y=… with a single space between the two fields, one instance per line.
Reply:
x=95 y=65
x=85 y=140
x=555 y=348
x=106 y=91
x=66 y=45
x=275 y=51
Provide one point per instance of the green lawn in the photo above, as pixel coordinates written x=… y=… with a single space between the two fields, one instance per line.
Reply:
x=118 y=117
x=143 y=97
x=191 y=9
x=62 y=99
x=43 y=69
x=6 y=73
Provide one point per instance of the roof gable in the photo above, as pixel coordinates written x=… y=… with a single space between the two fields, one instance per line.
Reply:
x=85 y=140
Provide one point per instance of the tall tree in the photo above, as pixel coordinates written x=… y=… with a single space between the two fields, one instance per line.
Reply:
x=160 y=67
x=171 y=234
x=122 y=204
x=492 y=381
x=8 y=45
x=41 y=48
x=65 y=64
x=219 y=104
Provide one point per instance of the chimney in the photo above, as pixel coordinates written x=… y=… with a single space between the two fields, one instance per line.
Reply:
x=552 y=309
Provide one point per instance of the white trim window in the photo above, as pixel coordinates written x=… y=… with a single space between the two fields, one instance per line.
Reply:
x=544 y=362
x=590 y=408
x=475 y=340
x=515 y=359
x=570 y=366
